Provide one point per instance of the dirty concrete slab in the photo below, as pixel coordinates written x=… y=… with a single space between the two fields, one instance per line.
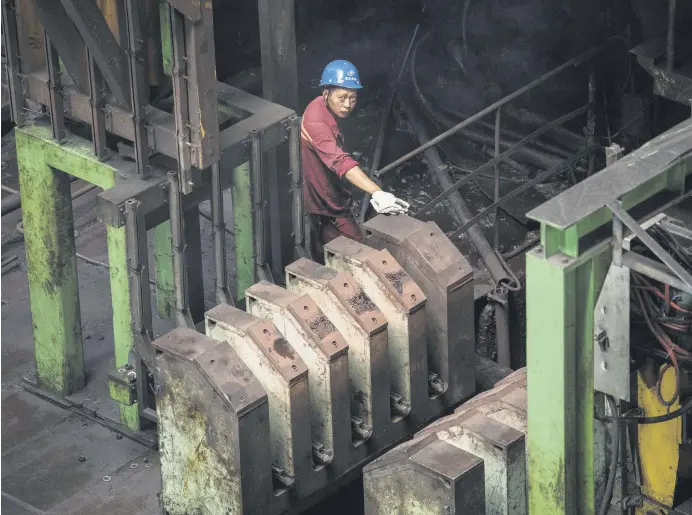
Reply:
x=53 y=466
x=131 y=490
x=24 y=416
x=12 y=506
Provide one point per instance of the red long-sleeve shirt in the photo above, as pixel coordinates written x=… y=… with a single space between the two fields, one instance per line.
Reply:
x=324 y=162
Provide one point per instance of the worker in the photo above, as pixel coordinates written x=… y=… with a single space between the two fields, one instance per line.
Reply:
x=327 y=167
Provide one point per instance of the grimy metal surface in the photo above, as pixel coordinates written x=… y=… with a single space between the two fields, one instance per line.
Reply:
x=11 y=42
x=322 y=431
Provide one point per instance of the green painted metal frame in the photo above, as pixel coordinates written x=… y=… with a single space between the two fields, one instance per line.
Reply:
x=51 y=260
x=562 y=287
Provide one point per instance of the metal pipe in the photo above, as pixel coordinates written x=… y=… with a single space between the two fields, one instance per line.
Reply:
x=670 y=39
x=9 y=190
x=182 y=311
x=459 y=208
x=14 y=202
x=297 y=187
x=382 y=127
x=258 y=206
x=454 y=187
x=518 y=191
x=11 y=41
x=491 y=108
x=496 y=192
x=501 y=305
x=566 y=137
x=223 y=295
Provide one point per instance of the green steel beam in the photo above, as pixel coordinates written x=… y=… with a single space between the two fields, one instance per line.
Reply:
x=561 y=293
x=163 y=263
x=242 y=229
x=51 y=260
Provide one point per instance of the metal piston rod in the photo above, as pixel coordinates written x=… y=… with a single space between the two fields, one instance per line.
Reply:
x=223 y=294
x=182 y=309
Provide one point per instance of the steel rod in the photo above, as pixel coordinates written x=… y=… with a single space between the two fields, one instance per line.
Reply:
x=654 y=270
x=518 y=191
x=454 y=187
x=591 y=122
x=491 y=108
x=670 y=37
x=651 y=243
x=459 y=208
x=9 y=190
x=138 y=85
x=382 y=127
x=617 y=241
x=496 y=192
x=98 y=116
x=182 y=311
x=297 y=187
x=57 y=110
x=567 y=137
x=223 y=295
x=11 y=40
x=258 y=205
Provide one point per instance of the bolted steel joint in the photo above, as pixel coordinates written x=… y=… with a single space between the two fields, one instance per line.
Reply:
x=282 y=479
x=361 y=431
x=399 y=406
x=321 y=455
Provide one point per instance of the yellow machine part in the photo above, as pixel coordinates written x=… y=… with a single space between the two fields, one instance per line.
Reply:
x=659 y=444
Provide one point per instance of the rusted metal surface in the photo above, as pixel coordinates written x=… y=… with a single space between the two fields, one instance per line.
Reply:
x=110 y=57
x=402 y=302
x=446 y=278
x=213 y=416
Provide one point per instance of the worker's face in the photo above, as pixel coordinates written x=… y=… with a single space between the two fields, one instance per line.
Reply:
x=340 y=101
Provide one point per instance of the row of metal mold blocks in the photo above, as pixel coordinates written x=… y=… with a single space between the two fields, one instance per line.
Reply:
x=312 y=381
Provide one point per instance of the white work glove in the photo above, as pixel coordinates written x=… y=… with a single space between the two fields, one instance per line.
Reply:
x=387 y=204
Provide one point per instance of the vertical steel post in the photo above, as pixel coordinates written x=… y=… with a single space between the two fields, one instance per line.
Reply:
x=223 y=295
x=51 y=261
x=98 y=116
x=496 y=235
x=11 y=41
x=163 y=263
x=561 y=294
x=591 y=122
x=297 y=187
x=182 y=311
x=180 y=103
x=57 y=113
x=258 y=207
x=139 y=93
x=670 y=37
x=140 y=300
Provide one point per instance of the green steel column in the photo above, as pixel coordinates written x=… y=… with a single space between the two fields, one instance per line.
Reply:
x=163 y=262
x=242 y=229
x=51 y=261
x=55 y=299
x=561 y=293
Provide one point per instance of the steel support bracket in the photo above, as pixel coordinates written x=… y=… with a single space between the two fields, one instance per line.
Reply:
x=190 y=8
x=122 y=385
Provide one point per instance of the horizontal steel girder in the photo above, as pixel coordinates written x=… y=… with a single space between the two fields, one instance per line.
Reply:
x=255 y=113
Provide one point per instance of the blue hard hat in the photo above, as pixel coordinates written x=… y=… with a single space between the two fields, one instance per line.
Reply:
x=341 y=73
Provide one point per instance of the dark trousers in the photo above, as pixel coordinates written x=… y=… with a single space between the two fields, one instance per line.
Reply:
x=328 y=228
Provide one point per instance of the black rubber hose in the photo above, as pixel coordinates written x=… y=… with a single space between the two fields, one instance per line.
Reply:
x=614 y=455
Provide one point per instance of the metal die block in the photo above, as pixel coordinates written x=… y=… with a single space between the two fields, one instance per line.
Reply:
x=213 y=423
x=284 y=376
x=325 y=352
x=446 y=278
x=425 y=476
x=611 y=362
x=365 y=329
x=510 y=411
x=502 y=451
x=122 y=385
x=402 y=302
